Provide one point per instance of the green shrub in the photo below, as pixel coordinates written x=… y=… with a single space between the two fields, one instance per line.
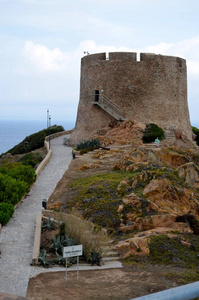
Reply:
x=151 y=132
x=196 y=132
x=89 y=144
x=32 y=159
x=11 y=190
x=83 y=151
x=19 y=172
x=6 y=212
x=34 y=141
x=15 y=181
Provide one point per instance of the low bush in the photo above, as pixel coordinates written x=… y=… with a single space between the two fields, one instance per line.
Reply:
x=19 y=172
x=89 y=145
x=11 y=189
x=6 y=212
x=151 y=132
x=15 y=181
x=196 y=132
x=32 y=159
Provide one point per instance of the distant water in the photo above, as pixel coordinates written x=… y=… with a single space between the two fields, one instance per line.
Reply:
x=13 y=132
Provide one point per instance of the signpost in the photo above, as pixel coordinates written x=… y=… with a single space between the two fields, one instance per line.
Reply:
x=72 y=251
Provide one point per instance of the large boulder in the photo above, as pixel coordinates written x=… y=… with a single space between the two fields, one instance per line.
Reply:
x=191 y=174
x=164 y=197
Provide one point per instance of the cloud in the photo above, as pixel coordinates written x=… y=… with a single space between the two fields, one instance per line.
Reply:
x=43 y=59
x=187 y=49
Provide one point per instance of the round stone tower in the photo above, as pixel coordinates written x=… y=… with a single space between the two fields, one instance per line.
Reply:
x=118 y=87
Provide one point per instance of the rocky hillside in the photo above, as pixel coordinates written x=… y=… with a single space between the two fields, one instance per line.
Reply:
x=134 y=190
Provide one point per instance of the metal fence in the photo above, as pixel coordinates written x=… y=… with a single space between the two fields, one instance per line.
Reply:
x=184 y=292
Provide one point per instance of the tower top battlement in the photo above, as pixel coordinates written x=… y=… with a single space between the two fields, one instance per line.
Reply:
x=111 y=56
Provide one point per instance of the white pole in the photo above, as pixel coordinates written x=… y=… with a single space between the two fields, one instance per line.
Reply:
x=77 y=270
x=66 y=274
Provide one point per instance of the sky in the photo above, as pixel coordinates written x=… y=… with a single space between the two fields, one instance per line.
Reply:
x=42 y=43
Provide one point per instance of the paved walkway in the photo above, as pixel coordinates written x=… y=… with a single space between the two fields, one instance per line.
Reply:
x=16 y=238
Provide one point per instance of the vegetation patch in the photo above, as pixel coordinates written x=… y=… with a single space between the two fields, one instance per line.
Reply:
x=179 y=252
x=151 y=132
x=6 y=212
x=183 y=276
x=98 y=198
x=15 y=182
x=87 y=146
x=32 y=159
x=34 y=141
x=196 y=132
x=73 y=230
x=166 y=250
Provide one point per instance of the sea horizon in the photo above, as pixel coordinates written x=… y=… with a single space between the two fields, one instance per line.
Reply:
x=12 y=132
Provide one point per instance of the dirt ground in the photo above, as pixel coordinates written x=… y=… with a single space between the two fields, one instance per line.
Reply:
x=118 y=284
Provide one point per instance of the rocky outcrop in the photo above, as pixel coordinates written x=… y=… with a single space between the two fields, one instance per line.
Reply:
x=191 y=174
x=168 y=198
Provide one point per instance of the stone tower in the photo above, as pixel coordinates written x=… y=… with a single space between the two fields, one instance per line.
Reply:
x=118 y=87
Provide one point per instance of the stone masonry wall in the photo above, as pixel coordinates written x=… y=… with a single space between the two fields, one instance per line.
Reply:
x=152 y=90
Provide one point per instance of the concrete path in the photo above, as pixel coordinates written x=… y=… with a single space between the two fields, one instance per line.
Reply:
x=16 y=238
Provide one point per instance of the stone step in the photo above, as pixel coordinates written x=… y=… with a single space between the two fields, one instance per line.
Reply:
x=112 y=254
x=106 y=259
x=151 y=145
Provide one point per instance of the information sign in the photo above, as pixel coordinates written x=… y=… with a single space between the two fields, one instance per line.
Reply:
x=72 y=251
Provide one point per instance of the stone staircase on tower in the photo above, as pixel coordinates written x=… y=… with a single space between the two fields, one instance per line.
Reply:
x=108 y=106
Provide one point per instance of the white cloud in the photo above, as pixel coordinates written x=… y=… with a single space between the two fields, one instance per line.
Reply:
x=43 y=59
x=187 y=49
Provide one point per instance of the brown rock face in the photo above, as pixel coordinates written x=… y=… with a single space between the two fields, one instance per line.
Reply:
x=191 y=174
x=166 y=198
x=152 y=90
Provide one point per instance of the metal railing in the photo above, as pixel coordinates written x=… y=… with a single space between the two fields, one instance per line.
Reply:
x=102 y=99
x=117 y=108
x=184 y=292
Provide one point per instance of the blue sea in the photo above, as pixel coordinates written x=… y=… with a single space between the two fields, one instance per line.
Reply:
x=12 y=132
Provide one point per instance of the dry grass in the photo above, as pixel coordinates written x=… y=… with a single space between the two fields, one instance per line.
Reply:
x=84 y=232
